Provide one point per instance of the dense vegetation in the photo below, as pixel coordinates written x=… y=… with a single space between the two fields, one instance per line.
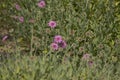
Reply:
x=60 y=40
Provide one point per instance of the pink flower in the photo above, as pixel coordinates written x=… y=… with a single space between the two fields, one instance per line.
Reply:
x=52 y=24
x=86 y=56
x=21 y=19
x=63 y=44
x=54 y=46
x=41 y=4
x=57 y=38
x=17 y=7
x=4 y=38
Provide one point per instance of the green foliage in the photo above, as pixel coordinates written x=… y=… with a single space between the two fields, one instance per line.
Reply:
x=88 y=26
x=49 y=68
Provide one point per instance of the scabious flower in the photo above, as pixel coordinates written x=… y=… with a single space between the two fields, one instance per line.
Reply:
x=52 y=24
x=58 y=42
x=57 y=38
x=86 y=56
x=21 y=19
x=41 y=4
x=4 y=38
x=54 y=46
x=17 y=7
x=63 y=44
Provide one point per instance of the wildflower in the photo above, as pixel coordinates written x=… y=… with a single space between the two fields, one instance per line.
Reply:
x=86 y=56
x=52 y=24
x=54 y=46
x=90 y=63
x=21 y=19
x=17 y=7
x=63 y=44
x=41 y=4
x=57 y=38
x=4 y=38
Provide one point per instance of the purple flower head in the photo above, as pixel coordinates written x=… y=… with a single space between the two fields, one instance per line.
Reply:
x=54 y=46
x=17 y=7
x=21 y=19
x=52 y=24
x=4 y=38
x=63 y=44
x=41 y=4
x=86 y=56
x=57 y=38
